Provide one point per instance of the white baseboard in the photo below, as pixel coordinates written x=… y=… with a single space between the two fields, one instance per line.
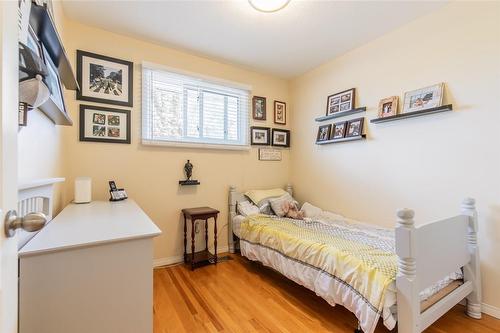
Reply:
x=491 y=310
x=178 y=259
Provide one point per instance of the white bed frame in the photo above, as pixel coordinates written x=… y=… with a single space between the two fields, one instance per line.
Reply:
x=426 y=254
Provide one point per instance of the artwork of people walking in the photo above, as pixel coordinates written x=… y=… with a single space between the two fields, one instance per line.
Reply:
x=103 y=79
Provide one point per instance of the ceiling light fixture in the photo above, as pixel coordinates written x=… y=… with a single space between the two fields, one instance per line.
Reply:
x=268 y=6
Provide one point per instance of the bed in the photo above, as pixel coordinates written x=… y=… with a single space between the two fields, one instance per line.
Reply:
x=407 y=275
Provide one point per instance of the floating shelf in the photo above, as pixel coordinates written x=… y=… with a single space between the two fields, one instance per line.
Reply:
x=341 y=114
x=353 y=138
x=44 y=27
x=414 y=114
x=188 y=182
x=54 y=113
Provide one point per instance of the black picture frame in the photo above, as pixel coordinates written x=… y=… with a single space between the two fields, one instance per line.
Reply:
x=343 y=126
x=358 y=132
x=263 y=112
x=321 y=130
x=287 y=141
x=341 y=102
x=104 y=124
x=259 y=128
x=80 y=93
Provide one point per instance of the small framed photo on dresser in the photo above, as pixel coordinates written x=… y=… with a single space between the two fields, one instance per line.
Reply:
x=100 y=124
x=279 y=113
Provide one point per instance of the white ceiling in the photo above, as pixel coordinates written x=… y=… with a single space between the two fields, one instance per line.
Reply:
x=287 y=43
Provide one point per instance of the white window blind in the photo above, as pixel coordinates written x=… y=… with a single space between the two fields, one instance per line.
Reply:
x=180 y=109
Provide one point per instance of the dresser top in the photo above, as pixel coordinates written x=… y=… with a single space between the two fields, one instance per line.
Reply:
x=98 y=222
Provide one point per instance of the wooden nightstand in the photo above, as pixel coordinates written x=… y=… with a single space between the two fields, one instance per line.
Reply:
x=204 y=257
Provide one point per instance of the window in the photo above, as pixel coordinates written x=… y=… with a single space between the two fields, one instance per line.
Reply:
x=179 y=109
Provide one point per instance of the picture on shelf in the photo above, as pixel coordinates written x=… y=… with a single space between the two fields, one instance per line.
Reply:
x=100 y=124
x=388 y=107
x=339 y=130
x=260 y=136
x=104 y=79
x=324 y=133
x=259 y=108
x=424 y=98
x=343 y=101
x=279 y=112
x=281 y=137
x=355 y=127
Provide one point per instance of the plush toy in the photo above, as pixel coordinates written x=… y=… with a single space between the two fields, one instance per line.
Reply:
x=291 y=211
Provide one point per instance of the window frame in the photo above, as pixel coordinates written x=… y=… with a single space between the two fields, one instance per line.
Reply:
x=196 y=142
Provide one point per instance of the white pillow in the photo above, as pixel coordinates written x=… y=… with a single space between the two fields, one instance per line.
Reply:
x=246 y=208
x=277 y=204
x=310 y=210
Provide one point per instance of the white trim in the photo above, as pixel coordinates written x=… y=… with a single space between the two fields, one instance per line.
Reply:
x=491 y=310
x=211 y=79
x=179 y=144
x=38 y=182
x=179 y=259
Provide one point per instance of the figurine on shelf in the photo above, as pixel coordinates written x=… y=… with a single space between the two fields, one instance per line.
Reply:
x=188 y=170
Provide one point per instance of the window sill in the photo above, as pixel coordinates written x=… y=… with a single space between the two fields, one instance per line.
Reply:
x=178 y=144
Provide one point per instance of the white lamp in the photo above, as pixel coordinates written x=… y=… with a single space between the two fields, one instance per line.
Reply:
x=268 y=6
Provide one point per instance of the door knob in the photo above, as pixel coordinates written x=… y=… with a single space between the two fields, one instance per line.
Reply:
x=30 y=222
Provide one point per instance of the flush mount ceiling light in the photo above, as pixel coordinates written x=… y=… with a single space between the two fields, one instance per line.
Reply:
x=268 y=6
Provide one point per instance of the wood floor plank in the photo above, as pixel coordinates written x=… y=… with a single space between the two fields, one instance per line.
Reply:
x=243 y=296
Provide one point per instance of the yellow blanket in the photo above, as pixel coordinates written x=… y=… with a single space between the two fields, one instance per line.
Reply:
x=363 y=261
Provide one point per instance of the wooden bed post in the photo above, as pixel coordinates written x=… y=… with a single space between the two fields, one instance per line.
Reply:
x=231 y=215
x=471 y=271
x=408 y=301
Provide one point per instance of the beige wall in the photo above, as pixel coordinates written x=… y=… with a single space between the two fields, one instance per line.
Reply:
x=429 y=164
x=151 y=174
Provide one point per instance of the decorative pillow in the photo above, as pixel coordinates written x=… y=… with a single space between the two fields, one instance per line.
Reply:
x=283 y=204
x=293 y=212
x=256 y=196
x=310 y=210
x=246 y=208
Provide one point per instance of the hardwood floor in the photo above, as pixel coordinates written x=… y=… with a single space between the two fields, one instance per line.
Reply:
x=242 y=296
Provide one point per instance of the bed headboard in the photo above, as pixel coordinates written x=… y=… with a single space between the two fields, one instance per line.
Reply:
x=235 y=196
x=35 y=197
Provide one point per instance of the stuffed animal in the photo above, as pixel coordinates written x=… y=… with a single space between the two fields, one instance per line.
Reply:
x=291 y=211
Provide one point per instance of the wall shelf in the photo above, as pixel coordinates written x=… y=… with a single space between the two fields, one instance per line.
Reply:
x=354 y=138
x=444 y=108
x=44 y=27
x=341 y=114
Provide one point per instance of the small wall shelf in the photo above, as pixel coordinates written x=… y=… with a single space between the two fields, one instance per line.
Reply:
x=188 y=182
x=444 y=108
x=354 y=138
x=341 y=114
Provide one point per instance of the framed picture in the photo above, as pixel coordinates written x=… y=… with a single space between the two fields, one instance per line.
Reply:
x=53 y=82
x=100 y=124
x=324 y=133
x=260 y=136
x=281 y=138
x=279 y=112
x=342 y=101
x=269 y=154
x=338 y=131
x=22 y=119
x=424 y=98
x=259 y=108
x=104 y=79
x=388 y=107
x=354 y=127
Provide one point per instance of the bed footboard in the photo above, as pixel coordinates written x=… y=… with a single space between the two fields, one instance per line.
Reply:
x=427 y=254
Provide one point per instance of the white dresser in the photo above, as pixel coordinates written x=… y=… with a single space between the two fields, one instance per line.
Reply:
x=89 y=271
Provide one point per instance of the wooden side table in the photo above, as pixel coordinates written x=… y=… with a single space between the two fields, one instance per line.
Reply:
x=204 y=257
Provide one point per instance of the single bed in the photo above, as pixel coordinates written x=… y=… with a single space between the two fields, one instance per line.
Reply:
x=325 y=256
